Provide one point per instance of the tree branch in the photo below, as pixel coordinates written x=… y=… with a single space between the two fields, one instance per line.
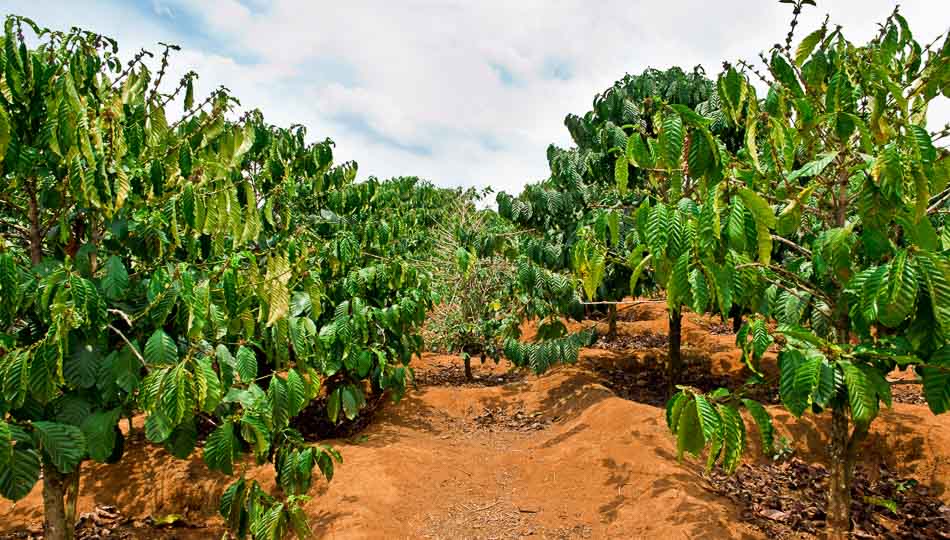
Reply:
x=799 y=282
x=129 y=343
x=792 y=245
x=938 y=200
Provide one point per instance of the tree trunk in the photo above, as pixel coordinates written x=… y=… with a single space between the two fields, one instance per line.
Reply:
x=59 y=513
x=844 y=455
x=737 y=321
x=675 y=360
x=72 y=498
x=94 y=239
x=468 y=367
x=612 y=322
x=36 y=240
x=839 y=483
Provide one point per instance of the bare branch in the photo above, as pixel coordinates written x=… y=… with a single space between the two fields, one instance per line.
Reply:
x=792 y=245
x=129 y=343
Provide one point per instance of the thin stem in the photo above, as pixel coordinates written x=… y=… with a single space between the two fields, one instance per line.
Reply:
x=799 y=282
x=792 y=245
x=135 y=351
x=939 y=200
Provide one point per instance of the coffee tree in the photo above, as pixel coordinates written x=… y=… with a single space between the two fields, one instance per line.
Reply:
x=843 y=182
x=163 y=267
x=618 y=219
x=381 y=294
x=489 y=281
x=474 y=279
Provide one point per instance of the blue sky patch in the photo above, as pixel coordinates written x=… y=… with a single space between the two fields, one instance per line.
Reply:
x=359 y=125
x=504 y=74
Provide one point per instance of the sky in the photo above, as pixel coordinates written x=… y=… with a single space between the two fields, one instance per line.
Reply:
x=462 y=93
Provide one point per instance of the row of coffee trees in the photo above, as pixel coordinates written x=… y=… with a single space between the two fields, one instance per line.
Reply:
x=212 y=272
x=810 y=195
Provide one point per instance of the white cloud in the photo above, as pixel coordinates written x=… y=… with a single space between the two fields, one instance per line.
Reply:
x=460 y=92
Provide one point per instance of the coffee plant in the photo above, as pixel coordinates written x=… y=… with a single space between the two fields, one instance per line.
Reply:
x=616 y=221
x=475 y=280
x=217 y=275
x=210 y=272
x=489 y=286
x=828 y=215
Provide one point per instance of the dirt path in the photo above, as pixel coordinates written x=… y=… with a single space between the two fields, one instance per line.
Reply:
x=513 y=455
x=556 y=457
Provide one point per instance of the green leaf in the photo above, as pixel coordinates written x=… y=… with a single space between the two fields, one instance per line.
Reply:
x=689 y=432
x=185 y=163
x=325 y=461
x=211 y=389
x=764 y=421
x=177 y=394
x=709 y=419
x=63 y=444
x=279 y=403
x=700 y=290
x=808 y=44
x=621 y=174
x=764 y=221
x=785 y=74
x=221 y=448
x=671 y=139
x=100 y=430
x=296 y=392
x=934 y=271
x=638 y=152
x=350 y=401
x=825 y=391
x=255 y=432
x=900 y=295
x=44 y=374
x=333 y=405
x=732 y=93
x=813 y=168
x=613 y=224
x=690 y=117
x=82 y=368
x=158 y=428
x=637 y=271
x=733 y=431
x=160 y=349
x=246 y=364
x=270 y=524
x=19 y=474
x=116 y=280
x=862 y=396
x=674 y=406
x=678 y=290
x=936 y=376
x=299 y=523
x=798 y=376
x=181 y=442
x=126 y=368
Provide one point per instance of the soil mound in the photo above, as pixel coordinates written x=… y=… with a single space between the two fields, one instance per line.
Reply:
x=510 y=455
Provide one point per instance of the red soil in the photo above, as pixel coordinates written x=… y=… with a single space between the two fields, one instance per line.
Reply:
x=556 y=456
